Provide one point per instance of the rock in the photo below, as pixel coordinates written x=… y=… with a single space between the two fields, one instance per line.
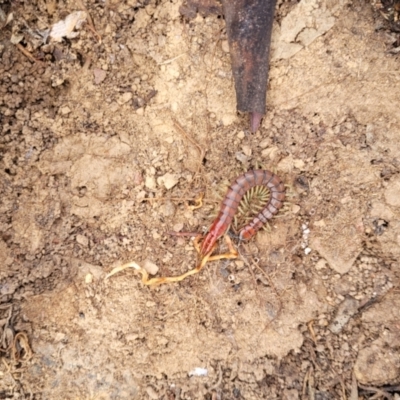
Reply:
x=150 y=182
x=376 y=365
x=299 y=164
x=321 y=264
x=241 y=135
x=125 y=98
x=247 y=150
x=300 y=27
x=168 y=180
x=228 y=119
x=65 y=110
x=392 y=193
x=225 y=46
x=241 y=157
x=82 y=240
x=150 y=267
x=295 y=208
x=152 y=393
x=339 y=254
x=286 y=164
x=168 y=209
x=88 y=279
x=347 y=308
x=177 y=227
x=99 y=75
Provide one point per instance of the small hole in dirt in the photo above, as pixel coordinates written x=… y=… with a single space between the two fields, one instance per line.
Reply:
x=239 y=303
x=7 y=171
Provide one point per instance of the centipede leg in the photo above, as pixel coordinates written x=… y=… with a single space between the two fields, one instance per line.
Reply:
x=226 y=256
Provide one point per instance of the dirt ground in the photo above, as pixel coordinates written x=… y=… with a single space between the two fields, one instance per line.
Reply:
x=107 y=140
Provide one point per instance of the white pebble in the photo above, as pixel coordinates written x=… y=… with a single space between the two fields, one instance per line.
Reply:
x=169 y=180
x=198 y=372
x=150 y=267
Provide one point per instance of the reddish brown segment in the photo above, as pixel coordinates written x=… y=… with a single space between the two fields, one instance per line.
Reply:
x=231 y=202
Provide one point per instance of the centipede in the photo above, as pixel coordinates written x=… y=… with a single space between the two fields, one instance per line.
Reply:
x=228 y=209
x=231 y=201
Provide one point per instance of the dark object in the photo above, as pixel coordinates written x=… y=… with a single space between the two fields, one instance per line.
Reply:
x=249 y=27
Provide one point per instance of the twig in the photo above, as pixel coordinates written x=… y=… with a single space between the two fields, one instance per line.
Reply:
x=191 y=140
x=378 y=392
x=354 y=388
x=311 y=329
x=28 y=55
x=311 y=385
x=171 y=59
x=219 y=381
x=183 y=234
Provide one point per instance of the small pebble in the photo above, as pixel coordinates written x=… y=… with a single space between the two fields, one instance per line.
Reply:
x=150 y=267
x=65 y=110
x=150 y=182
x=225 y=46
x=345 y=311
x=177 y=227
x=152 y=393
x=99 y=75
x=168 y=209
x=88 y=278
x=321 y=264
x=82 y=240
x=125 y=98
x=295 y=208
x=247 y=150
x=241 y=157
x=168 y=180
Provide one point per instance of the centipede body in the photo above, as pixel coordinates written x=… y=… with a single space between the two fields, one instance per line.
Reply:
x=230 y=204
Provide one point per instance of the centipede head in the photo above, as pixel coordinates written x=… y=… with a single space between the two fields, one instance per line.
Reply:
x=209 y=242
